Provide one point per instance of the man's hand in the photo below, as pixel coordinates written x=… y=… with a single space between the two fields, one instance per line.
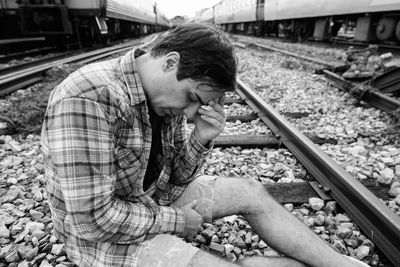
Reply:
x=193 y=221
x=209 y=123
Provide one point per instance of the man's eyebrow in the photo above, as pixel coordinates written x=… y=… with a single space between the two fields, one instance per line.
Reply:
x=199 y=99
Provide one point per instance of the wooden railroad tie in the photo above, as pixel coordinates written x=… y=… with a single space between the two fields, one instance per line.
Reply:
x=299 y=193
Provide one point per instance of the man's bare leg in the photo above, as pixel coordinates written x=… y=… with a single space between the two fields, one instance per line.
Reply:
x=273 y=223
x=205 y=259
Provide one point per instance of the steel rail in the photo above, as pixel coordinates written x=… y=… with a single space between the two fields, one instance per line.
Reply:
x=13 y=81
x=34 y=63
x=34 y=52
x=377 y=221
x=376 y=99
x=334 y=66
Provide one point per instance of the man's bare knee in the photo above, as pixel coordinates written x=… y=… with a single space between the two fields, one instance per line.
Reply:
x=205 y=259
x=256 y=195
x=252 y=191
x=239 y=196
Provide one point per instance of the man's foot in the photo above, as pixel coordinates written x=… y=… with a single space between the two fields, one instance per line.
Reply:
x=357 y=262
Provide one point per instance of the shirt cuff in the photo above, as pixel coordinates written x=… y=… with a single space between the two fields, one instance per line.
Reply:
x=198 y=147
x=173 y=220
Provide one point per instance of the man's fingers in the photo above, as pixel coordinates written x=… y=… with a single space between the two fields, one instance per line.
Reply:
x=214 y=122
x=217 y=106
x=221 y=100
x=216 y=114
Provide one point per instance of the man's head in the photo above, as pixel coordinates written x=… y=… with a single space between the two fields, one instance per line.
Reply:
x=206 y=55
x=191 y=66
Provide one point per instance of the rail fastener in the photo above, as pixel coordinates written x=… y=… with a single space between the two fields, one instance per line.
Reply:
x=367 y=94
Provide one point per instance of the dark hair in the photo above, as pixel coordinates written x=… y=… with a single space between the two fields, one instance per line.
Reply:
x=206 y=54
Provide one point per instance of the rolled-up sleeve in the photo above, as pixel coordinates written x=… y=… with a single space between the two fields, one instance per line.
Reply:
x=80 y=143
x=189 y=155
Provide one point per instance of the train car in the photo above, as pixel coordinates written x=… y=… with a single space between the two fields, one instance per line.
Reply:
x=373 y=20
x=88 y=20
x=237 y=15
x=9 y=19
x=162 y=22
x=206 y=15
x=235 y=11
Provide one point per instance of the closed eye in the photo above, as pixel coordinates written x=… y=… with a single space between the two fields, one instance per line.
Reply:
x=199 y=99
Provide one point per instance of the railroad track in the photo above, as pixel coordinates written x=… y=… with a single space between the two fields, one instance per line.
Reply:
x=18 y=77
x=362 y=200
x=380 y=224
x=30 y=53
x=363 y=93
x=359 y=200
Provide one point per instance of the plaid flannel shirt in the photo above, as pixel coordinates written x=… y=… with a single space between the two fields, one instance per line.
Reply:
x=96 y=140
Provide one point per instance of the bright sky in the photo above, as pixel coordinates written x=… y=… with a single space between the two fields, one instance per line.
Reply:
x=172 y=8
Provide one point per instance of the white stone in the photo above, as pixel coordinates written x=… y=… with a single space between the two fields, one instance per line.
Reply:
x=397 y=170
x=387 y=161
x=386 y=176
x=230 y=219
x=53 y=239
x=397 y=200
x=32 y=226
x=340 y=218
x=289 y=207
x=262 y=244
x=316 y=203
x=228 y=248
x=265 y=166
x=45 y=263
x=284 y=180
x=57 y=249
x=362 y=252
x=394 y=189
x=4 y=232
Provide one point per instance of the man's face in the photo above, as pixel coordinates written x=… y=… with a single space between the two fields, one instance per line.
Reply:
x=172 y=97
x=184 y=97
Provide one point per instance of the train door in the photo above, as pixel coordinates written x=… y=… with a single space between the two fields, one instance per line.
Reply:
x=271 y=25
x=44 y=17
x=260 y=10
x=259 y=25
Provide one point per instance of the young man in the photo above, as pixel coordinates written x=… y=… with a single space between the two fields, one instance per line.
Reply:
x=121 y=176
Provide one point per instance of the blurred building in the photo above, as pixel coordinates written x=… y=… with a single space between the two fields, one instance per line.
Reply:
x=178 y=20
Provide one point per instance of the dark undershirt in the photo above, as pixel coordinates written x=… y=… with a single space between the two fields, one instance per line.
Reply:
x=153 y=167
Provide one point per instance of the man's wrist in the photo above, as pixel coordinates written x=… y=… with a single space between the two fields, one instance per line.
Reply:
x=201 y=141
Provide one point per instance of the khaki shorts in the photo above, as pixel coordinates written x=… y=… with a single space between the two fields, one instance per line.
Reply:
x=166 y=250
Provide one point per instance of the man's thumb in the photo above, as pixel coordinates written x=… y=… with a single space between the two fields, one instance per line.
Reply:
x=193 y=204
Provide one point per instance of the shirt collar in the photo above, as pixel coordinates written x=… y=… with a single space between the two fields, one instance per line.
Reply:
x=131 y=76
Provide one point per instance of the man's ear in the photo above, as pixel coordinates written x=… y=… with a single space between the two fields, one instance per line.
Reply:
x=171 y=61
